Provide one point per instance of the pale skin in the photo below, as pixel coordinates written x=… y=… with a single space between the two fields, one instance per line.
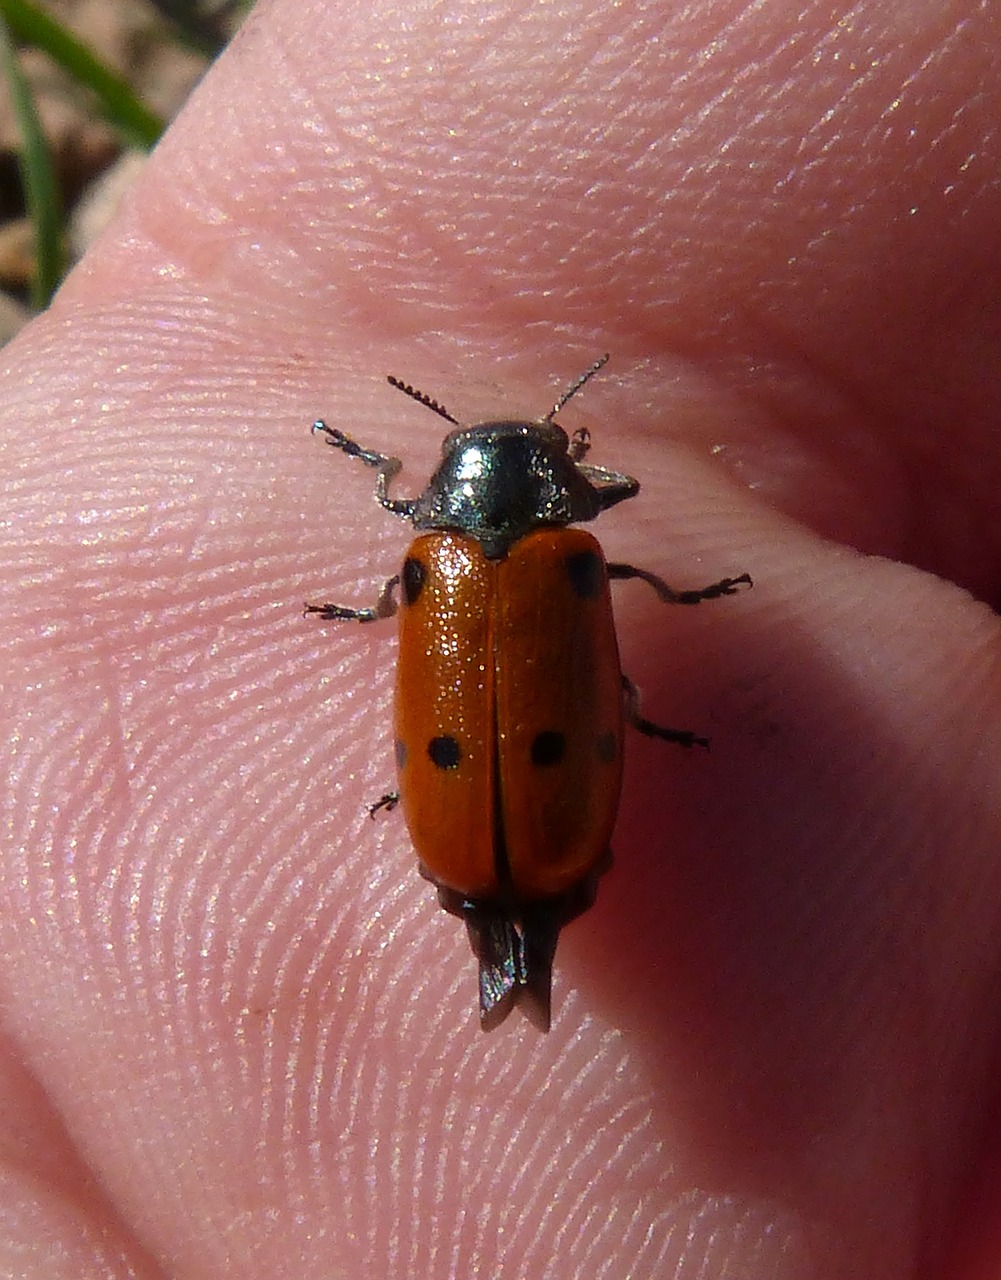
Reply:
x=239 y=1037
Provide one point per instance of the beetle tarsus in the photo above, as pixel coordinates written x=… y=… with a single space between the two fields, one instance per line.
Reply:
x=339 y=613
x=384 y=607
x=338 y=440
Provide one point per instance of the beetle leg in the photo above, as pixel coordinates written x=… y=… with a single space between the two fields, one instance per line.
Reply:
x=384 y=607
x=725 y=587
x=684 y=737
x=389 y=801
x=580 y=443
x=386 y=466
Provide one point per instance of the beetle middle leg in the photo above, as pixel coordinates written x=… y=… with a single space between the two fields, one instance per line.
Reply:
x=384 y=607
x=388 y=801
x=725 y=586
x=684 y=737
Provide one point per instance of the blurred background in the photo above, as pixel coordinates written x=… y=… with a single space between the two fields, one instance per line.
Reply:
x=88 y=86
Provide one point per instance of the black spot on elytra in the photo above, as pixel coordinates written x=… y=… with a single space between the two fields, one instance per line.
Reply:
x=414 y=577
x=586 y=575
x=400 y=751
x=444 y=752
x=608 y=747
x=548 y=748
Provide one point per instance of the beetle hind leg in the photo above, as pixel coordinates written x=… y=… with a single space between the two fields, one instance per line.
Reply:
x=684 y=737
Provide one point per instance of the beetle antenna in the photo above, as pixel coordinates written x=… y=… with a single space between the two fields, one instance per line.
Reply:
x=574 y=387
x=423 y=399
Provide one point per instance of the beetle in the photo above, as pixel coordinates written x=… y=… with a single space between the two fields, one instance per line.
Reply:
x=510 y=702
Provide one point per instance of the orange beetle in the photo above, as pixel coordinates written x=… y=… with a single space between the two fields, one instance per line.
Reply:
x=510 y=701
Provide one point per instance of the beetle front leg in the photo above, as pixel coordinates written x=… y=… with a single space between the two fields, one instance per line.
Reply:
x=580 y=444
x=384 y=607
x=725 y=586
x=684 y=737
x=386 y=466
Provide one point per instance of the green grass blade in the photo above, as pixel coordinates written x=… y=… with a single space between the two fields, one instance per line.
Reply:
x=39 y=177
x=118 y=104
